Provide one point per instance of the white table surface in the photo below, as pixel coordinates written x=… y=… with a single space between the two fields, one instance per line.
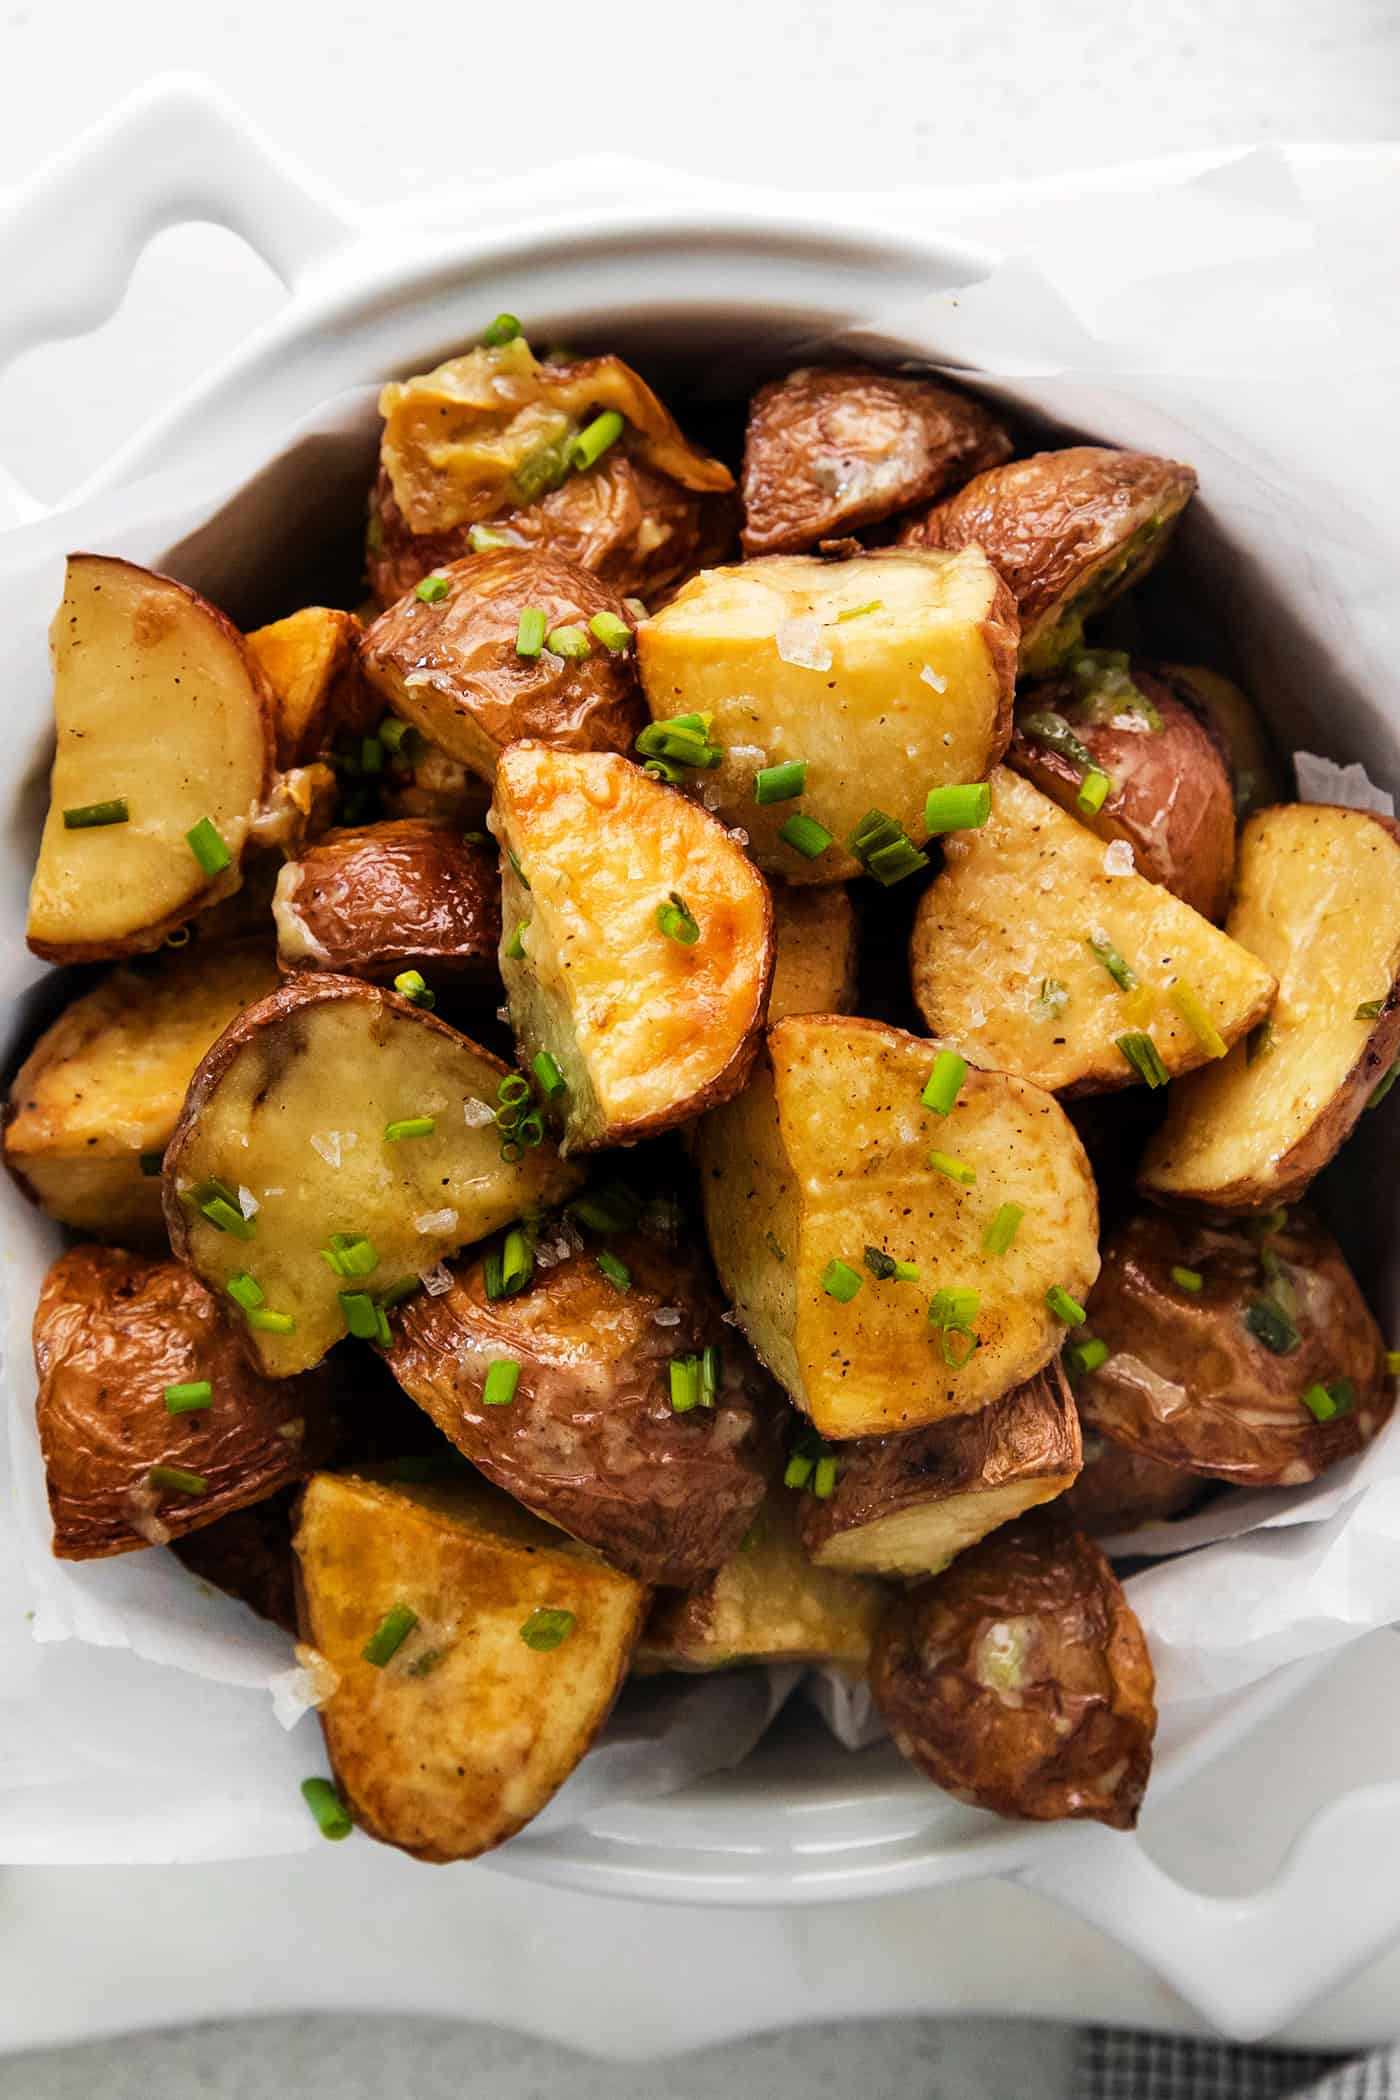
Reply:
x=387 y=105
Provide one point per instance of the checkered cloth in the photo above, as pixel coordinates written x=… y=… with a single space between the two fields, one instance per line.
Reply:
x=1127 y=2066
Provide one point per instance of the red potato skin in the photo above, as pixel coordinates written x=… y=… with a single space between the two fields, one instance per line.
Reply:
x=248 y=1555
x=890 y=441
x=1120 y=1489
x=1073 y=1738
x=403 y=895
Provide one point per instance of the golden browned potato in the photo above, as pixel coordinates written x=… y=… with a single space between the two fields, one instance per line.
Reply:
x=363 y=1132
x=882 y=675
x=1070 y=531
x=476 y=1652
x=908 y=1505
x=638 y=943
x=453 y=666
x=768 y=1604
x=1020 y=1680
x=591 y=1437
x=390 y=897
x=311 y=660
x=1120 y=1489
x=1256 y=776
x=814 y=935
x=131 y=1455
x=1317 y=899
x=1245 y=1355
x=92 y=1107
x=828 y=1171
x=165 y=727
x=1164 y=785
x=1035 y=952
x=832 y=447
x=248 y=1555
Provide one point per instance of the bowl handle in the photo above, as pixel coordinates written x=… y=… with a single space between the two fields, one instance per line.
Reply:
x=172 y=153
x=1248 y=1963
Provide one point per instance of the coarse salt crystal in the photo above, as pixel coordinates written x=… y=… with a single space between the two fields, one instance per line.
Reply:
x=330 y=1143
x=477 y=1114
x=247 y=1202
x=666 y=1316
x=311 y=1684
x=931 y=677
x=1118 y=858
x=435 y=1221
x=739 y=835
x=437 y=1280
x=800 y=642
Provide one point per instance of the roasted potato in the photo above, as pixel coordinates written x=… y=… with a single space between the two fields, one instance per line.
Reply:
x=165 y=727
x=1034 y=953
x=1317 y=899
x=1168 y=792
x=248 y=1555
x=814 y=937
x=449 y=1739
x=908 y=1505
x=1244 y=1355
x=347 y=1115
x=1120 y=1489
x=311 y=661
x=767 y=1604
x=1256 y=775
x=390 y=897
x=820 y=1177
x=1070 y=531
x=1020 y=1680
x=830 y=448
x=639 y=943
x=451 y=666
x=430 y=784
x=906 y=658
x=93 y=1106
x=114 y=1336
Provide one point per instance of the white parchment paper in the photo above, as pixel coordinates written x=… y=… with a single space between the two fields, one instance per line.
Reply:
x=1217 y=320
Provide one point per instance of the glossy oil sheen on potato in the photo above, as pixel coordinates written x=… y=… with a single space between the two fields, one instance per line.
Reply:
x=830 y=1154
x=389 y=897
x=157 y=700
x=906 y=658
x=1014 y=911
x=466 y=1732
x=1317 y=899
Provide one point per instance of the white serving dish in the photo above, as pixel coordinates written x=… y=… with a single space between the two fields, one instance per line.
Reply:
x=802 y=1822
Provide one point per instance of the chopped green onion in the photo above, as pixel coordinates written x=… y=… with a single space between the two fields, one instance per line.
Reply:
x=1045 y=726
x=678 y=922
x=941 y=1091
x=409 y=1127
x=383 y=1334
x=546 y=468
x=711 y=1371
x=1189 y=1004
x=1122 y=973
x=1064 y=1307
x=1188 y=1280
x=1053 y=997
x=397 y=1292
x=208 y=847
x=514 y=950
x=152 y=1164
x=569 y=642
x=958 y=1346
x=906 y=1272
x=955 y=1169
x=858 y=612
x=271 y=1322
x=482 y=539
x=93 y=816
x=411 y=985
x=327 y=1807
x=547 y=1072
x=881 y=1265
x=502 y=1378
x=953 y=1308
x=1270 y=1324
x=1326 y=1402
x=884 y=849
x=840 y=1281
x=685 y=1383
x=1089 y=1354
x=244 y=1291
x=806 y=836
x=798 y=1470
x=1379 y=1093
x=514 y=858
x=371 y=755
x=530 y=632
x=668 y=775
x=1095 y=791
x=1259 y=1042
x=683 y=740
x=389 y=1635
x=177 y=1480
x=609 y=1207
x=957 y=808
x=1144 y=1057
x=1003 y=1229
x=514 y=1089
x=1369 y=1010
x=594 y=439
x=617 y=1272
x=361 y=1315
x=190 y=1398
x=547 y=1628
x=432 y=590
x=227 y=1217
x=824 y=1478
x=423 y=1665
x=614 y=634
x=504 y=329
x=780 y=783
x=517 y=1261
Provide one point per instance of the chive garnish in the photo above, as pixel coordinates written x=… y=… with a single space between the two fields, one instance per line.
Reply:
x=1003 y=1229
x=1045 y=726
x=389 y=1635
x=271 y=1322
x=1053 y=997
x=514 y=858
x=502 y=1378
x=614 y=634
x=517 y=1261
x=944 y=1081
x=806 y=836
x=93 y=816
x=1095 y=791
x=530 y=632
x=177 y=1480
x=594 y=439
x=1379 y=1093
x=361 y=1315
x=906 y=1272
x=1189 y=1004
x=371 y=755
x=681 y=740
x=411 y=985
x=824 y=1478
x=1122 y=973
x=1270 y=1324
x=482 y=539
x=1144 y=1057
x=1064 y=1307
x=244 y=1291
x=1369 y=1010
x=677 y=921
x=798 y=1471
x=617 y=1272
x=208 y=846
x=189 y=1398
x=685 y=1383
x=1089 y=1354
x=955 y=1169
x=1188 y=1280
x=327 y=1807
x=881 y=1265
x=568 y=642
x=547 y=1628
x=1392 y=1363
x=504 y=329
x=884 y=849
x=432 y=590
x=227 y=1217
x=858 y=612
x=840 y=1281
x=780 y=783
x=958 y=808
x=548 y=1074
x=1326 y=1402
x=409 y=1127
x=711 y=1371
x=953 y=1308
x=609 y=1207
x=514 y=950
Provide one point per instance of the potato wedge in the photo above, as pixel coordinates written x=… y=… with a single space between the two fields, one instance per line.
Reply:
x=519 y=1645
x=1120 y=1489
x=1212 y=1374
x=647 y=1026
x=113 y=1333
x=908 y=1505
x=1317 y=899
x=767 y=1604
x=905 y=657
x=826 y=1155
x=162 y=712
x=1009 y=946
x=451 y=665
x=830 y=448
x=248 y=1555
x=1168 y=789
x=295 y=1103
x=311 y=660
x=592 y=1440
x=94 y=1104
x=1070 y=531
x=1020 y=1680
x=814 y=936
x=390 y=897
x=1257 y=776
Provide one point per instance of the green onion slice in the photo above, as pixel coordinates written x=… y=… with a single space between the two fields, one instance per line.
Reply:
x=502 y=1378
x=685 y=1383
x=227 y=1217
x=1144 y=1057
x=482 y=539
x=1053 y=997
x=190 y=1398
x=1325 y=1403
x=617 y=1272
x=1003 y=1229
x=244 y=1291
x=614 y=634
x=547 y=1628
x=824 y=1477
x=610 y=1206
x=957 y=808
x=711 y=1373
x=1122 y=973
x=944 y=1081
x=271 y=1322
x=411 y=985
x=207 y=845
x=389 y=1635
x=798 y=1471
x=1189 y=1280
x=1259 y=1042
x=327 y=1807
x=884 y=849
x=1044 y=726
x=906 y=1272
x=595 y=438
x=94 y=816
x=682 y=740
x=955 y=1169
x=361 y=1315
x=1369 y=1010
x=881 y=1265
x=177 y=1480
x=953 y=1308
x=840 y=1281
x=1089 y=1353
x=806 y=836
x=504 y=329
x=432 y=590
x=1270 y=1324
x=548 y=1074
x=1064 y=1307
x=1392 y=1363
x=781 y=783
x=677 y=921
x=568 y=642
x=1379 y=1093
x=1095 y=791
x=530 y=631
x=1189 y=1004
x=409 y=1127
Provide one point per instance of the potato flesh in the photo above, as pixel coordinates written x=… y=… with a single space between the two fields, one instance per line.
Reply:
x=298 y=1118
x=920 y=687
x=814 y=935
x=1317 y=899
x=156 y=700
x=925 y=1541
x=751 y=1220
x=305 y=657
x=1013 y=912
x=448 y=1757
